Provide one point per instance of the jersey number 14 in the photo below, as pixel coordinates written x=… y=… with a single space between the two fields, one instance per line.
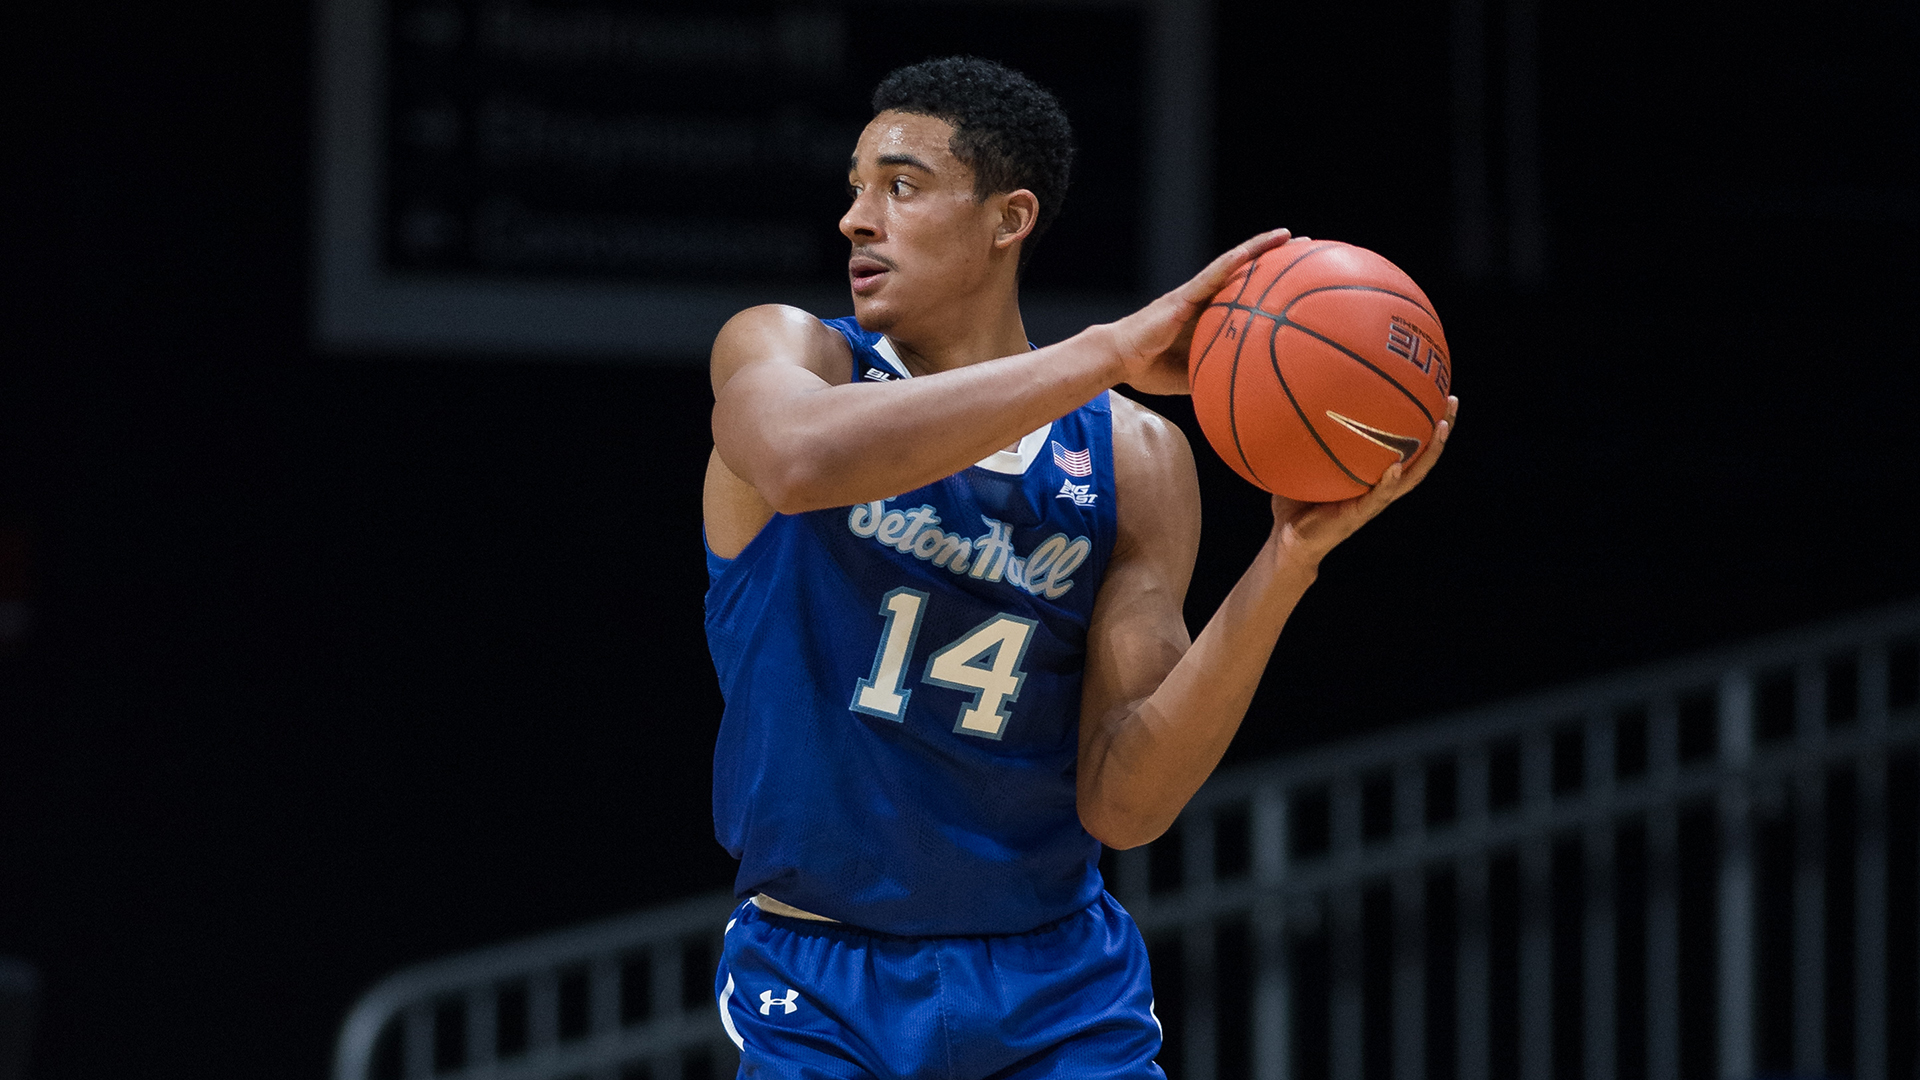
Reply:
x=985 y=660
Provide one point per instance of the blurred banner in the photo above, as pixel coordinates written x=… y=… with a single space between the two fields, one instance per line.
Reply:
x=538 y=176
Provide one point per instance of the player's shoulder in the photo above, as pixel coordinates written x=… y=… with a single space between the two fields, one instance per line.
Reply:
x=1154 y=475
x=780 y=333
x=1146 y=441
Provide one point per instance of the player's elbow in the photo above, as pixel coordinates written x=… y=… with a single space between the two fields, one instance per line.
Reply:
x=786 y=457
x=784 y=468
x=795 y=484
x=1119 y=830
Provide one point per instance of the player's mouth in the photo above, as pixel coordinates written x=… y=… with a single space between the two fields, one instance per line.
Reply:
x=865 y=273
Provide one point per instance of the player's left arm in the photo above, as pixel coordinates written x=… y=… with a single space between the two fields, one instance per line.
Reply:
x=1158 y=708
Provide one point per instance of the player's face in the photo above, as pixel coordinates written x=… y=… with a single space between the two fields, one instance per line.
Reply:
x=921 y=241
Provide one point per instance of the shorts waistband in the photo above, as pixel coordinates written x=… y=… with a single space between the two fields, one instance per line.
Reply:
x=797 y=919
x=774 y=907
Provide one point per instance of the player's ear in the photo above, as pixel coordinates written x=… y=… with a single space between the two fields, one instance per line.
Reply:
x=1019 y=209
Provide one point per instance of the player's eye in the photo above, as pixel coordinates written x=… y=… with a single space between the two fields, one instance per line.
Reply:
x=899 y=186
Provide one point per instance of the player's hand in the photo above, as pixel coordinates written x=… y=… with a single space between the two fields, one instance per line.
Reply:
x=1305 y=532
x=1153 y=341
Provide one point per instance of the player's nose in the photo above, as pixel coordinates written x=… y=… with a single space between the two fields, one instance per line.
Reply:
x=861 y=224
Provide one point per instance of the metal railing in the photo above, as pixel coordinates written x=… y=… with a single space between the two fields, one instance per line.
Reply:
x=626 y=999
x=1632 y=877
x=1706 y=868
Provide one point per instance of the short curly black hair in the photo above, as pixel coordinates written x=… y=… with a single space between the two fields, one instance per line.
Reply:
x=1008 y=129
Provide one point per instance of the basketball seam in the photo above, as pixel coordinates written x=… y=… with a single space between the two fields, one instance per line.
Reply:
x=1282 y=320
x=1274 y=355
x=1244 y=282
x=1362 y=361
x=1233 y=386
x=1234 y=305
x=1369 y=288
x=1233 y=377
x=1215 y=340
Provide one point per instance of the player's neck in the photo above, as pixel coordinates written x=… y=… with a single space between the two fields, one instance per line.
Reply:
x=972 y=331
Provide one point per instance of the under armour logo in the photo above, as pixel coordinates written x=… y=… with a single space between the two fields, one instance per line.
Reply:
x=788 y=1003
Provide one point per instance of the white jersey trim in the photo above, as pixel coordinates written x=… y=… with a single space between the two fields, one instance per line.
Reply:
x=892 y=356
x=1013 y=462
x=1016 y=462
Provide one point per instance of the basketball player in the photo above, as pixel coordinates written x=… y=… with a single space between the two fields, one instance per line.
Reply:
x=945 y=607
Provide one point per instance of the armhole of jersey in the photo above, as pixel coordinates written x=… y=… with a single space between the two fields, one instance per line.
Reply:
x=716 y=565
x=1112 y=519
x=720 y=568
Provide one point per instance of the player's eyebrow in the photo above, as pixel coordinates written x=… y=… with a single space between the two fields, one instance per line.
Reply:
x=853 y=163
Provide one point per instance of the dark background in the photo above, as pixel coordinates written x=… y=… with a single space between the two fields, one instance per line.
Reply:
x=806 y=108
x=344 y=663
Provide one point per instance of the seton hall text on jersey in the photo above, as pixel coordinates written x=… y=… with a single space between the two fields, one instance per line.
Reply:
x=1045 y=571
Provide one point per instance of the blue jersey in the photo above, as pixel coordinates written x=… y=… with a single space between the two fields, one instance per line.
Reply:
x=902 y=683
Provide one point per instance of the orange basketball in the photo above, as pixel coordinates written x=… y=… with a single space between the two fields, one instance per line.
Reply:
x=1317 y=367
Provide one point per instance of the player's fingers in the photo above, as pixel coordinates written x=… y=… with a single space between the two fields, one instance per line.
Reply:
x=1400 y=478
x=1209 y=280
x=1252 y=247
x=1430 y=456
x=1256 y=246
x=1265 y=242
x=1387 y=489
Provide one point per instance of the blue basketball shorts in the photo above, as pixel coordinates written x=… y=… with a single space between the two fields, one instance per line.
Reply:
x=808 y=1000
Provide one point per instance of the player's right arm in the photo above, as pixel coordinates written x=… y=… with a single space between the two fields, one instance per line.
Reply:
x=787 y=424
x=788 y=427
x=790 y=434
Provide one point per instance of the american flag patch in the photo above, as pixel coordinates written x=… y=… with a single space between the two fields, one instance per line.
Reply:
x=1073 y=462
